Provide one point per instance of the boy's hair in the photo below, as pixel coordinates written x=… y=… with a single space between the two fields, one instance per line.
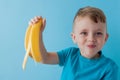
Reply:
x=93 y=13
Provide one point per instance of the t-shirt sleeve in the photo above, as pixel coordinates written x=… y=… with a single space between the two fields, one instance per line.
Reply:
x=63 y=55
x=112 y=73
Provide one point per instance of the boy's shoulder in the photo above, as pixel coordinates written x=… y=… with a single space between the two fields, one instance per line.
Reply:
x=71 y=50
x=110 y=62
x=65 y=54
x=68 y=51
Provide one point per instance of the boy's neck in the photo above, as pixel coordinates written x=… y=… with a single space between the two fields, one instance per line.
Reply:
x=94 y=57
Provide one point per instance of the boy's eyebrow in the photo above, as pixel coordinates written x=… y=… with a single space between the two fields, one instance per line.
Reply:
x=84 y=30
x=99 y=30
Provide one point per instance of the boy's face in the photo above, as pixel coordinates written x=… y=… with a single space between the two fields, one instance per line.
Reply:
x=89 y=36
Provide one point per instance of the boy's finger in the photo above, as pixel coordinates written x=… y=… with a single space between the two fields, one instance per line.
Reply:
x=44 y=22
x=38 y=17
x=34 y=20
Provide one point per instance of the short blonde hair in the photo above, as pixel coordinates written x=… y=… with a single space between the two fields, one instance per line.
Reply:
x=93 y=13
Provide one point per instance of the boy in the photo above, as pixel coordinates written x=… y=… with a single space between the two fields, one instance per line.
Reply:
x=87 y=61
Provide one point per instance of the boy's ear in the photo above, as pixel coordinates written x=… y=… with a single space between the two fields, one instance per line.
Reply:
x=73 y=37
x=106 y=38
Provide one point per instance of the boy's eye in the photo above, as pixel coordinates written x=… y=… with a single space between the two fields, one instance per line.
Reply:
x=83 y=33
x=99 y=33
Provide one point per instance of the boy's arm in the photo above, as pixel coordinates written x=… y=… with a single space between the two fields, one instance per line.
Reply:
x=47 y=57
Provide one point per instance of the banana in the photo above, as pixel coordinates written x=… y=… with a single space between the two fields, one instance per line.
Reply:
x=32 y=43
x=35 y=49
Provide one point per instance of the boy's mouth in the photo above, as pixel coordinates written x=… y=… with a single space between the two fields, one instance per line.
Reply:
x=91 y=46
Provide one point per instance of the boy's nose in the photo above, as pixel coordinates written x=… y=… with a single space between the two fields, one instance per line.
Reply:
x=91 y=38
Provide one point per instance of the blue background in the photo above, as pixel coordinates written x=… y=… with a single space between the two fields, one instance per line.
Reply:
x=14 y=18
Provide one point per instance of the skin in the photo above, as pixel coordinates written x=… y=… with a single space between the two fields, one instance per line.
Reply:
x=89 y=36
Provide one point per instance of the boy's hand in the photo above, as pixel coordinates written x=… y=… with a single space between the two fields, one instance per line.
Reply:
x=36 y=19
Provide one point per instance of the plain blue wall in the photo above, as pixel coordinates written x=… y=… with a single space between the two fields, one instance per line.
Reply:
x=14 y=17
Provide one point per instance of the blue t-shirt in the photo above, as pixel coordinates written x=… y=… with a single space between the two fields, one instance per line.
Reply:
x=77 y=67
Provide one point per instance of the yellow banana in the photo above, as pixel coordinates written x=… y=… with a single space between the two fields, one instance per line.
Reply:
x=32 y=42
x=35 y=49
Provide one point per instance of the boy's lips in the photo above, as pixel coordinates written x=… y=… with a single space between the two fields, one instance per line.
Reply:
x=91 y=46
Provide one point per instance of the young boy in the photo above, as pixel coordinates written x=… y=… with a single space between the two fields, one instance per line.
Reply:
x=87 y=61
